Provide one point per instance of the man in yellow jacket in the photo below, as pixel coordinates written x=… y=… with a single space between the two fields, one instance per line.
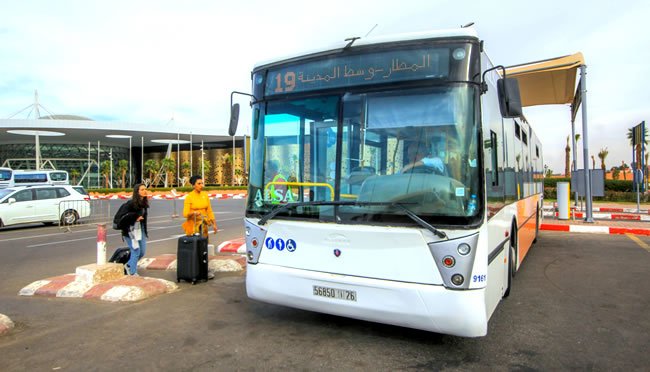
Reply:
x=197 y=208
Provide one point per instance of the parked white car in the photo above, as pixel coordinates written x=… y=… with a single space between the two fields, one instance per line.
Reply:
x=47 y=204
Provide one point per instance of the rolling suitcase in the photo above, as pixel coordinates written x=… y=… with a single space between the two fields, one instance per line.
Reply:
x=121 y=256
x=192 y=258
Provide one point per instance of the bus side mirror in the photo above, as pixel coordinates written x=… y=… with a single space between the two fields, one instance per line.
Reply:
x=509 y=98
x=234 y=119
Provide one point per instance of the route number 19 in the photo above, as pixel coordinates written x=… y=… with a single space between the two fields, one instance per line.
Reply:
x=289 y=82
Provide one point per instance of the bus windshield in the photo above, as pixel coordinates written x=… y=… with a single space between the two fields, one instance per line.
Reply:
x=412 y=147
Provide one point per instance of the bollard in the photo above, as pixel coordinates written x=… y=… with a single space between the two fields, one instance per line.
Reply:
x=563 y=200
x=101 y=243
x=175 y=196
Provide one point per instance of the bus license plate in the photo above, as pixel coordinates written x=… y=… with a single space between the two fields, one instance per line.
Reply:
x=339 y=294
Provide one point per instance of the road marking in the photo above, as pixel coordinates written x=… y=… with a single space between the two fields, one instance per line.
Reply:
x=638 y=241
x=94 y=237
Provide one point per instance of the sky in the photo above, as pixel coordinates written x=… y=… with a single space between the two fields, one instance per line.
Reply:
x=176 y=62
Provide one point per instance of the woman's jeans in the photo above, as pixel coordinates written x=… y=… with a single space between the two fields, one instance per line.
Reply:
x=136 y=254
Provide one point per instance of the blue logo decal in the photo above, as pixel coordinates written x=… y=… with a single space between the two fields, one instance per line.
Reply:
x=291 y=245
x=269 y=243
x=279 y=244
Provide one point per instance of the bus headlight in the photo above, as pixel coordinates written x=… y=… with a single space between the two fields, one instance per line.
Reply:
x=457 y=279
x=464 y=249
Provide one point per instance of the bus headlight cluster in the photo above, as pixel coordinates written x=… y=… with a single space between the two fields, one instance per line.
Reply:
x=254 y=238
x=454 y=259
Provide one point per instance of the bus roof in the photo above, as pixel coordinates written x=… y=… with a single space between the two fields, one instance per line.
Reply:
x=411 y=36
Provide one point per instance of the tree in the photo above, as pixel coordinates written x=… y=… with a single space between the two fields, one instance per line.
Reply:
x=575 y=166
x=185 y=170
x=639 y=147
x=151 y=166
x=593 y=162
x=74 y=173
x=168 y=165
x=105 y=171
x=227 y=168
x=567 y=158
x=602 y=154
x=206 y=169
x=548 y=172
x=624 y=168
x=122 y=168
x=616 y=173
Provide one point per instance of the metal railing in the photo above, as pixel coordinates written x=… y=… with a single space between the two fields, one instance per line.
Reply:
x=80 y=212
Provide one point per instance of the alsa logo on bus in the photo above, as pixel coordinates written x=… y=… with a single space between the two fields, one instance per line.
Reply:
x=274 y=194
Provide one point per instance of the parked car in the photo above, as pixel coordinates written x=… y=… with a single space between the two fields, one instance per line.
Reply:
x=47 y=204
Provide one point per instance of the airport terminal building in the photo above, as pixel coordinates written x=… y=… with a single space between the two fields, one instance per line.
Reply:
x=91 y=151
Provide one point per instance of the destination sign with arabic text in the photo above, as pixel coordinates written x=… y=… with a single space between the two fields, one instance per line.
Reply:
x=361 y=69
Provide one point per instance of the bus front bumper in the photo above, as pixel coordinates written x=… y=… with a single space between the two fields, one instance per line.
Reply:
x=427 y=307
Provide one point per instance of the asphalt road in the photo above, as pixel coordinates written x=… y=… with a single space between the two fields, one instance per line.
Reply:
x=580 y=301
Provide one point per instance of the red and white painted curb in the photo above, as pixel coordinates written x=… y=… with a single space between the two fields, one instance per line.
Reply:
x=215 y=263
x=594 y=229
x=6 y=324
x=605 y=209
x=233 y=246
x=126 y=289
x=167 y=196
x=606 y=216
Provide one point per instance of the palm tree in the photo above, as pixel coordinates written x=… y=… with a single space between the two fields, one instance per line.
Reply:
x=602 y=155
x=577 y=137
x=106 y=171
x=624 y=168
x=567 y=158
x=122 y=168
x=185 y=170
x=168 y=165
x=593 y=162
x=206 y=169
x=639 y=147
x=151 y=166
x=227 y=168
x=616 y=173
x=74 y=173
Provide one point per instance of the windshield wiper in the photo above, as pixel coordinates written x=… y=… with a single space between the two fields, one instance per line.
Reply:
x=408 y=212
x=420 y=221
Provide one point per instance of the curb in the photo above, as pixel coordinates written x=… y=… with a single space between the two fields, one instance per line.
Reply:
x=232 y=246
x=605 y=216
x=126 y=289
x=594 y=229
x=6 y=324
x=167 y=196
x=215 y=263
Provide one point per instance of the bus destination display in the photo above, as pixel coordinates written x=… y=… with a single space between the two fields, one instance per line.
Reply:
x=361 y=69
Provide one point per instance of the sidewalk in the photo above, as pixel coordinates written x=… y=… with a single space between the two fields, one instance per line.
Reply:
x=622 y=219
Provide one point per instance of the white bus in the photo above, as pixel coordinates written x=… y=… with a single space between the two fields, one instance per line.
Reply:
x=6 y=175
x=391 y=180
x=11 y=178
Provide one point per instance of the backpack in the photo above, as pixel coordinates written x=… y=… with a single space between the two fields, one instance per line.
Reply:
x=119 y=216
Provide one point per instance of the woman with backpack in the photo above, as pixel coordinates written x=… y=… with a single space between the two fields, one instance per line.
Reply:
x=134 y=227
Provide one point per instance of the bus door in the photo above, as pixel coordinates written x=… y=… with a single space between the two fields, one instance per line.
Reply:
x=323 y=155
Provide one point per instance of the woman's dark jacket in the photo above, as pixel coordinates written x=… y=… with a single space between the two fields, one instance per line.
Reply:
x=130 y=218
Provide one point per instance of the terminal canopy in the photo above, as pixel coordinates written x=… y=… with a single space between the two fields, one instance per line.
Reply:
x=547 y=82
